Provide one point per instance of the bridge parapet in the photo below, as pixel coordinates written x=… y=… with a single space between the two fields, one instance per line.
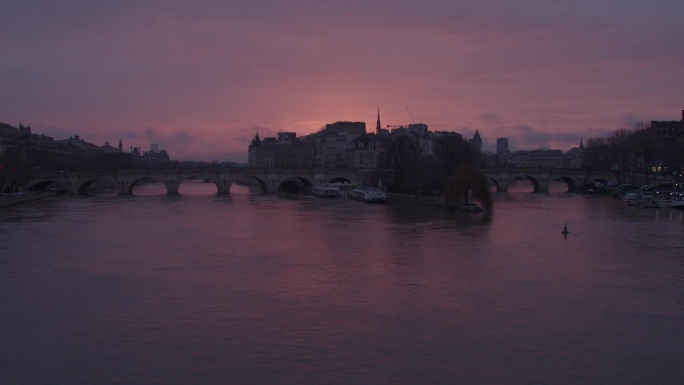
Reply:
x=269 y=179
x=541 y=178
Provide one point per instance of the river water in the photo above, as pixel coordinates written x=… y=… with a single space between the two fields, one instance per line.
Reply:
x=264 y=289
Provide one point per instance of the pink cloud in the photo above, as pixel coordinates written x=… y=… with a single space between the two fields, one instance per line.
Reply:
x=203 y=76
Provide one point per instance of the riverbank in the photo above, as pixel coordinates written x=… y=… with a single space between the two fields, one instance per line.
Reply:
x=13 y=199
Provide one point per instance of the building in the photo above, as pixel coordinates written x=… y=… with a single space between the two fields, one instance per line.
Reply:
x=335 y=138
x=32 y=153
x=109 y=149
x=573 y=158
x=344 y=144
x=417 y=132
x=502 y=146
x=672 y=130
x=281 y=151
x=369 y=151
x=285 y=136
x=476 y=142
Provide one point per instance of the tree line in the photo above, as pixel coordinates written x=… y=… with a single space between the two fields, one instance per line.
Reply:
x=451 y=168
x=638 y=150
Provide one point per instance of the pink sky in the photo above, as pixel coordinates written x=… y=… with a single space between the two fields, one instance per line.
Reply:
x=200 y=78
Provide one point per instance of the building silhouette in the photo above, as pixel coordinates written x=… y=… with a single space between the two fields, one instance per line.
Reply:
x=672 y=130
x=345 y=144
x=28 y=153
x=501 y=146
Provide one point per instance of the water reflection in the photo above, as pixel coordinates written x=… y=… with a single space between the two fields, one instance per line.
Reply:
x=210 y=288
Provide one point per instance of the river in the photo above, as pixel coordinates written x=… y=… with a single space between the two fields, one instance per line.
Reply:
x=265 y=289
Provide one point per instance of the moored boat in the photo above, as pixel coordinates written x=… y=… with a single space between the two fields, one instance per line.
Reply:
x=331 y=190
x=368 y=194
x=632 y=198
x=669 y=195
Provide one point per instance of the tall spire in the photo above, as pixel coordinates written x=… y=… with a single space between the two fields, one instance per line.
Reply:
x=377 y=125
x=581 y=147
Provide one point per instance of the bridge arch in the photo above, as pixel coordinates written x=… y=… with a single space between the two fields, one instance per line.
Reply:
x=573 y=185
x=267 y=180
x=537 y=184
x=85 y=185
x=222 y=186
x=126 y=188
x=539 y=181
x=47 y=185
x=500 y=186
x=252 y=180
x=542 y=184
x=294 y=184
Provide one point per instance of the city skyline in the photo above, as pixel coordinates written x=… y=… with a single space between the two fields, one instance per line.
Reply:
x=201 y=80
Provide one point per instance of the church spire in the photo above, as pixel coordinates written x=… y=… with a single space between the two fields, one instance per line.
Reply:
x=581 y=147
x=477 y=138
x=377 y=125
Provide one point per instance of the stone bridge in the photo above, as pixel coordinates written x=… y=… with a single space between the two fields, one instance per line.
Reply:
x=270 y=180
x=541 y=178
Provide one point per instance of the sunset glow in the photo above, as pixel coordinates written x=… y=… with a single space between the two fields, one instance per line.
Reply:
x=200 y=79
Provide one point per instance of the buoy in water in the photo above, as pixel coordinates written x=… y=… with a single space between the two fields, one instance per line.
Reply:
x=565 y=229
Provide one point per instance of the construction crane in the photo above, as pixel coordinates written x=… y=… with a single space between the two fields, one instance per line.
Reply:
x=410 y=114
x=414 y=122
x=406 y=125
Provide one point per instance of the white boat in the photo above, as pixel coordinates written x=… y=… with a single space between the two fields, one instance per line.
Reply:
x=632 y=198
x=332 y=190
x=669 y=196
x=368 y=194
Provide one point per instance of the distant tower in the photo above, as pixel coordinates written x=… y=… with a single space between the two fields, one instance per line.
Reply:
x=252 y=150
x=501 y=146
x=581 y=147
x=120 y=146
x=377 y=125
x=477 y=140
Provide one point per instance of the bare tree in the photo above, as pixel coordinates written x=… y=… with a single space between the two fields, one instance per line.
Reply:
x=468 y=179
x=618 y=141
x=406 y=158
x=643 y=147
x=596 y=155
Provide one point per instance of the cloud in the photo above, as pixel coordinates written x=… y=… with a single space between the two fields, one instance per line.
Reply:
x=523 y=137
x=490 y=117
x=182 y=138
x=203 y=75
x=630 y=121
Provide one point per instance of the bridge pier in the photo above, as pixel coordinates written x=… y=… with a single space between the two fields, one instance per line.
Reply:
x=542 y=186
x=123 y=188
x=223 y=186
x=72 y=188
x=171 y=187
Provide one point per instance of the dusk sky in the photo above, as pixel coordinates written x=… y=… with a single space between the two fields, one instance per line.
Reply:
x=201 y=78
